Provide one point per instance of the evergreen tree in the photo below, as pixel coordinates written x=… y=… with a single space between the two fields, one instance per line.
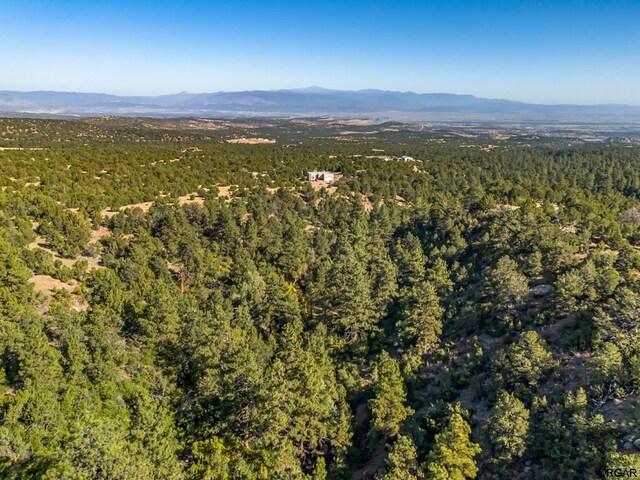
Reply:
x=507 y=284
x=402 y=461
x=411 y=260
x=420 y=322
x=526 y=360
x=388 y=403
x=347 y=299
x=452 y=456
x=507 y=428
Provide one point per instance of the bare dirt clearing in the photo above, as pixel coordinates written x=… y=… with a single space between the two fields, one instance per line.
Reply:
x=191 y=199
x=47 y=284
x=318 y=185
x=252 y=141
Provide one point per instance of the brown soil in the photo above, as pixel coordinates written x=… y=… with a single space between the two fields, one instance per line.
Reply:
x=252 y=141
x=188 y=200
x=47 y=284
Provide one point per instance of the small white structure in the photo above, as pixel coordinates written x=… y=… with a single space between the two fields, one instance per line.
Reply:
x=407 y=158
x=322 y=176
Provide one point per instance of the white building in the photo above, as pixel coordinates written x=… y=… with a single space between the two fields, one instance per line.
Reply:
x=322 y=176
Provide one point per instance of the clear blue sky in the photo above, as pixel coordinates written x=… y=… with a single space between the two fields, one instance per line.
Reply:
x=544 y=51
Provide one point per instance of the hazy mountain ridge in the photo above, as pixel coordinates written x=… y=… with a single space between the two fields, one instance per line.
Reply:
x=306 y=101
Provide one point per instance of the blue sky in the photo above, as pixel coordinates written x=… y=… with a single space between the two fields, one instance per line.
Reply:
x=544 y=51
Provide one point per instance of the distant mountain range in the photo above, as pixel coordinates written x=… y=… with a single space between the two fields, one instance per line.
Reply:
x=312 y=101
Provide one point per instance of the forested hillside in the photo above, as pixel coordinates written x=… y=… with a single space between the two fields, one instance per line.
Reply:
x=174 y=306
